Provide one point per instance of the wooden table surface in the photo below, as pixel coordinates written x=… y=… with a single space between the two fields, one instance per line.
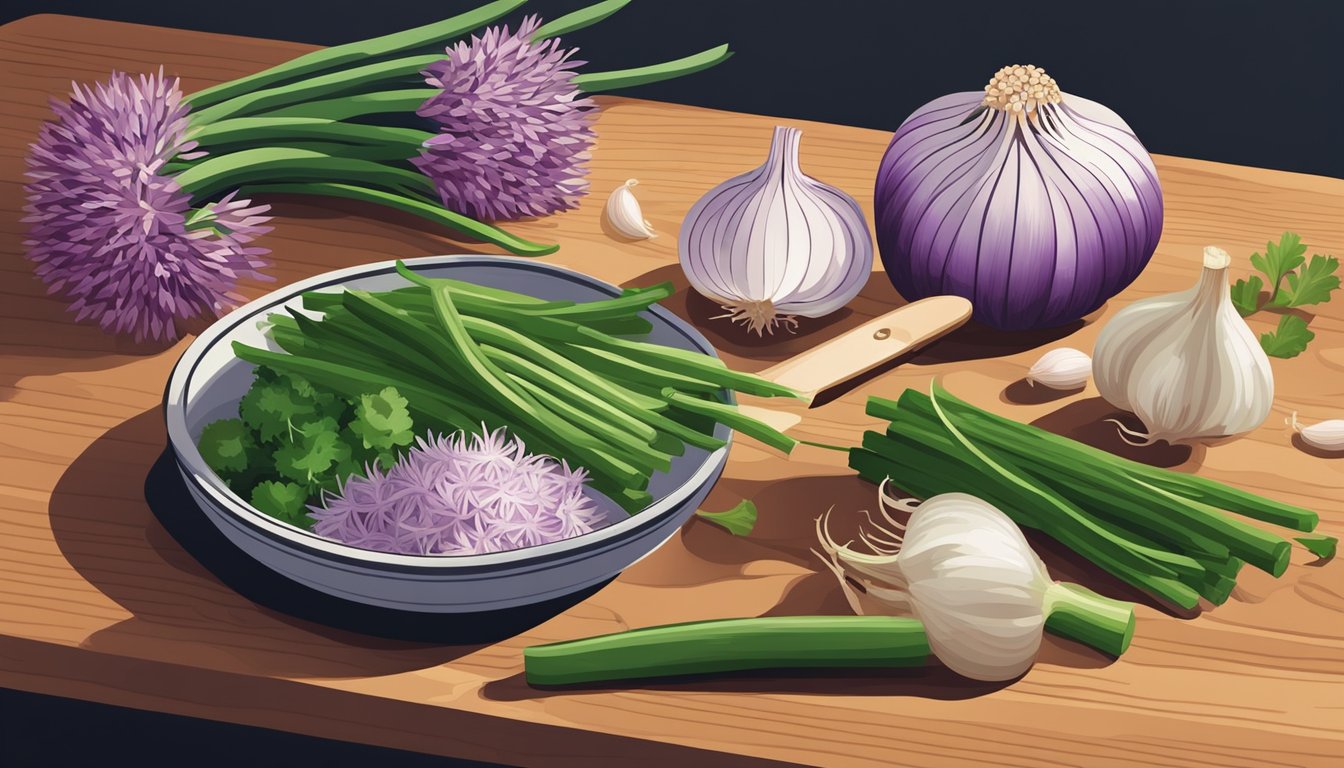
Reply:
x=98 y=602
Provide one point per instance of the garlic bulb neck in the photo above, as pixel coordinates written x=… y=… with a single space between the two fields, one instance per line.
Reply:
x=1021 y=88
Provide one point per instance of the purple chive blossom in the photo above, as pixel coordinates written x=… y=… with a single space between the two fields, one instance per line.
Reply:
x=116 y=235
x=456 y=495
x=514 y=130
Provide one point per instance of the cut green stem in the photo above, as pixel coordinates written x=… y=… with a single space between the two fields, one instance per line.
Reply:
x=1077 y=613
x=731 y=645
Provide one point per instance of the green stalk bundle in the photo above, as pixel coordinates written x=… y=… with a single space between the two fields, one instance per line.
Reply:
x=1175 y=536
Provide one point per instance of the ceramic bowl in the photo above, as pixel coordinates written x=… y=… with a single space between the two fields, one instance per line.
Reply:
x=208 y=382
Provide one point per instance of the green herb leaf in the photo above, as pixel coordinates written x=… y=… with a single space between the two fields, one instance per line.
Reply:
x=1312 y=284
x=1280 y=259
x=272 y=408
x=1246 y=294
x=382 y=421
x=1289 y=339
x=738 y=521
x=283 y=501
x=1319 y=544
x=315 y=450
x=225 y=446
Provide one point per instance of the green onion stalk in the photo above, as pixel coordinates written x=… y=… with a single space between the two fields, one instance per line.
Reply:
x=459 y=132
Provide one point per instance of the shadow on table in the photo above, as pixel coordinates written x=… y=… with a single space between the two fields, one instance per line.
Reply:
x=192 y=592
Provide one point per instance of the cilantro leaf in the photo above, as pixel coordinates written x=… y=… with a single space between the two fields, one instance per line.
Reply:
x=272 y=408
x=1289 y=339
x=1280 y=259
x=1246 y=294
x=314 y=451
x=738 y=521
x=382 y=421
x=283 y=501
x=225 y=446
x=1312 y=284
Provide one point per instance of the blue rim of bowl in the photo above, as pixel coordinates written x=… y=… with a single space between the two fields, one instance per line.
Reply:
x=192 y=464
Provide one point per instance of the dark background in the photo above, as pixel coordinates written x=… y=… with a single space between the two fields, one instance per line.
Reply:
x=1252 y=83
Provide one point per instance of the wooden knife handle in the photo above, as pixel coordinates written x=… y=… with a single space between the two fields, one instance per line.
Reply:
x=875 y=342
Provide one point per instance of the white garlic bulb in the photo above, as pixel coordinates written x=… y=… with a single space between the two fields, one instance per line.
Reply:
x=773 y=244
x=624 y=213
x=965 y=570
x=1323 y=436
x=1064 y=368
x=1186 y=364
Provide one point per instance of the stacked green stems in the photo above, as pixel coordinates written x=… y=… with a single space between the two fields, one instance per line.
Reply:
x=1166 y=533
x=454 y=405
x=1106 y=489
x=430 y=36
x=482 y=356
x=1217 y=494
x=362 y=78
x=208 y=178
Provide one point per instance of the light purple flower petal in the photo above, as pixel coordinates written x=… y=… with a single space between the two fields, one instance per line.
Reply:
x=514 y=130
x=115 y=235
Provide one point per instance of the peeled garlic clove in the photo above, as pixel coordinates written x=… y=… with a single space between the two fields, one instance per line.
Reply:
x=624 y=214
x=1064 y=368
x=1324 y=436
x=1186 y=364
x=773 y=244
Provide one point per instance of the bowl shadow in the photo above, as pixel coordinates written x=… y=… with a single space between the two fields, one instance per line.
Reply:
x=147 y=547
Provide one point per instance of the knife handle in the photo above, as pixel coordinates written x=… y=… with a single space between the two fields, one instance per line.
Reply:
x=877 y=341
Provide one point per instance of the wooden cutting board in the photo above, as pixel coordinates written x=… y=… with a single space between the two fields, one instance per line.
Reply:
x=97 y=601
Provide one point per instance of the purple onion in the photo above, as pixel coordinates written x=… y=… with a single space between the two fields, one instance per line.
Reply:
x=112 y=232
x=514 y=130
x=1035 y=205
x=456 y=495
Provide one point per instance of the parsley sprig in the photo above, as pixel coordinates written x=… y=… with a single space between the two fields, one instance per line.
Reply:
x=292 y=441
x=1292 y=282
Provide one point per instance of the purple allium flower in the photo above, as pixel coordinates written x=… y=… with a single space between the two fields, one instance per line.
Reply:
x=115 y=234
x=458 y=496
x=514 y=130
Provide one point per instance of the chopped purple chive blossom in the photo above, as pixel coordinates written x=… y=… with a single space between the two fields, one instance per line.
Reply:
x=460 y=495
x=112 y=232
x=514 y=130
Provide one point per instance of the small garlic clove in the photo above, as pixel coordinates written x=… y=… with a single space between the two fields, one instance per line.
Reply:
x=1323 y=436
x=1064 y=368
x=625 y=215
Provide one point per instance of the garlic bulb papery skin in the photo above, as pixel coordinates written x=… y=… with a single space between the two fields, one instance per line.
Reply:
x=1323 y=436
x=1186 y=363
x=1035 y=204
x=1063 y=369
x=965 y=570
x=773 y=244
x=625 y=215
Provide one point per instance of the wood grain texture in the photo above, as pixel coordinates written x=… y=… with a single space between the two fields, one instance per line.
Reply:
x=98 y=601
